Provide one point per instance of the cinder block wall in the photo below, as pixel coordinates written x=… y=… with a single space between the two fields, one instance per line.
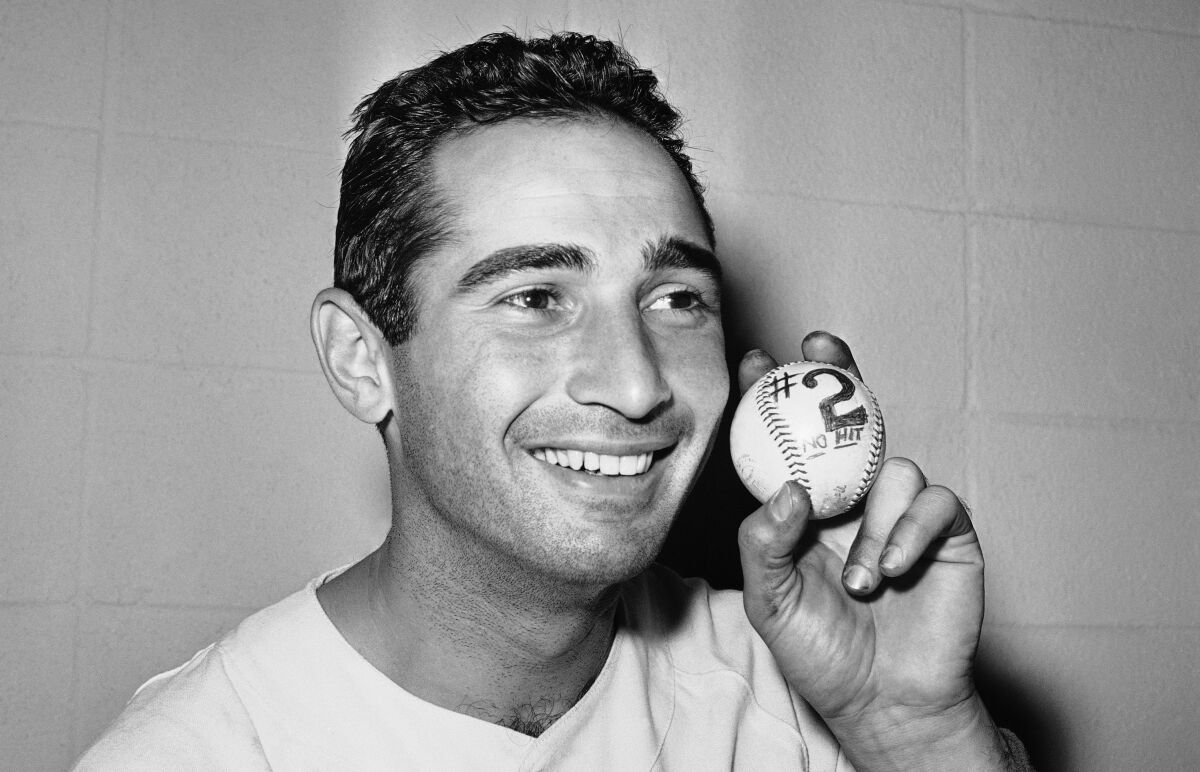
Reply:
x=996 y=201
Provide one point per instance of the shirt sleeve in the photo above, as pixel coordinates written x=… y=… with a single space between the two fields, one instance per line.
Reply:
x=187 y=719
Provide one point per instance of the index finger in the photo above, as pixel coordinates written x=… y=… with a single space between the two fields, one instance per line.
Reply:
x=821 y=346
x=754 y=365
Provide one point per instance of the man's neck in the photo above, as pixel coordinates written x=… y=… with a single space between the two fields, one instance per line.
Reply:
x=466 y=636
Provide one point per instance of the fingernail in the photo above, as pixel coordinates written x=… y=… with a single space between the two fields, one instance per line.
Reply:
x=781 y=505
x=891 y=558
x=857 y=578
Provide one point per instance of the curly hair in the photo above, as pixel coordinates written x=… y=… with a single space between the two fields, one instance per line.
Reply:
x=390 y=217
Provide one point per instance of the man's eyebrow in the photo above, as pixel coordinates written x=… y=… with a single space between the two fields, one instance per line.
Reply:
x=526 y=257
x=672 y=252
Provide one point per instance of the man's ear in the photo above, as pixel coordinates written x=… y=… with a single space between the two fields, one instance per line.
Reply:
x=354 y=355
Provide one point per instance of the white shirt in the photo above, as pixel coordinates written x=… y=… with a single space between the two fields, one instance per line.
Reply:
x=688 y=685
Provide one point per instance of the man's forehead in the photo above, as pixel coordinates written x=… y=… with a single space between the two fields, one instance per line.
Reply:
x=601 y=185
x=547 y=157
x=552 y=139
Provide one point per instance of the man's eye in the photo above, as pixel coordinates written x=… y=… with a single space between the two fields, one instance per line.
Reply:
x=680 y=300
x=535 y=299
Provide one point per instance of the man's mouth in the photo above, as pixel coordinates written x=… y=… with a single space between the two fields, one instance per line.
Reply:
x=596 y=463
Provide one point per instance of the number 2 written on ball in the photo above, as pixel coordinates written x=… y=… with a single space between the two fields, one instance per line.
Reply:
x=833 y=421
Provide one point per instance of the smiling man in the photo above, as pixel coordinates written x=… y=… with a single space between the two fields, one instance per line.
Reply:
x=528 y=306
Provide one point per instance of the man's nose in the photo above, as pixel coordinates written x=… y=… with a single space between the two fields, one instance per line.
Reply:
x=616 y=363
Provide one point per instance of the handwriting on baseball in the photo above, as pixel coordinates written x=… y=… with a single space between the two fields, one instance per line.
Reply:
x=781 y=388
x=816 y=445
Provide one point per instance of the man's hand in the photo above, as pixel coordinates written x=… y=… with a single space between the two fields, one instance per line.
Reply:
x=874 y=620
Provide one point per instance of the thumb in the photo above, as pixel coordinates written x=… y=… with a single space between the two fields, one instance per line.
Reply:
x=767 y=541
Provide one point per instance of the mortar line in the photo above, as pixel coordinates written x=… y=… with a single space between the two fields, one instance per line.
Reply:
x=1082 y=222
x=93 y=128
x=232 y=142
x=970 y=137
x=97 y=361
x=113 y=13
x=971 y=285
x=1048 y=18
x=1094 y=23
x=240 y=608
x=103 y=146
x=1178 y=425
x=33 y=603
x=1125 y=626
x=979 y=211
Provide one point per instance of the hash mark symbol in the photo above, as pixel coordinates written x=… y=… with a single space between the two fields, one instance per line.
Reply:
x=781 y=386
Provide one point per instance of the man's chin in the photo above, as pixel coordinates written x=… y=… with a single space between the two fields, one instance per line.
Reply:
x=601 y=563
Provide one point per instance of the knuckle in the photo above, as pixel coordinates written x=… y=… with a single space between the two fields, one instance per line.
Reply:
x=942 y=497
x=913 y=527
x=902 y=470
x=753 y=536
x=868 y=543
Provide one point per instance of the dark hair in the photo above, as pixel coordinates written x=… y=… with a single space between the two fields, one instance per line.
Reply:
x=390 y=216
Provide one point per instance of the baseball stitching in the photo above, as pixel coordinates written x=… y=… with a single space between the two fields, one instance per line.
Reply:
x=777 y=428
x=876 y=449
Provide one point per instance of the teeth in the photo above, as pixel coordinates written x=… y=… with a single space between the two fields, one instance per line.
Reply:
x=596 y=462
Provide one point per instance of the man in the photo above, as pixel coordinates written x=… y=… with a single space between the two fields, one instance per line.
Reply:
x=527 y=305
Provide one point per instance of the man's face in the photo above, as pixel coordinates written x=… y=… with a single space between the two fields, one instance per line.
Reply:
x=567 y=373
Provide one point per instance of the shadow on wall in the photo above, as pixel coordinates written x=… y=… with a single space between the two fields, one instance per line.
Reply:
x=703 y=540
x=1018 y=705
x=703 y=543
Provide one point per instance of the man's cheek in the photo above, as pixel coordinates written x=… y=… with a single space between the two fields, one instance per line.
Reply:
x=703 y=374
x=519 y=368
x=486 y=398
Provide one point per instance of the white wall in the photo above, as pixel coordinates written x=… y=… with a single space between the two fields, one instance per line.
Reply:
x=996 y=201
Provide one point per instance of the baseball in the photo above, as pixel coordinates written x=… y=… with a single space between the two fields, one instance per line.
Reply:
x=814 y=423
